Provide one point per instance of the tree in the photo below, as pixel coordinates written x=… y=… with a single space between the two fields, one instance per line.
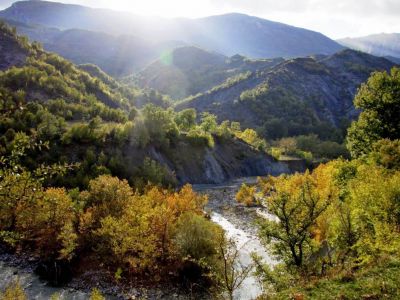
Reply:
x=246 y=195
x=297 y=201
x=195 y=237
x=155 y=173
x=133 y=114
x=127 y=240
x=379 y=99
x=289 y=145
x=159 y=123
x=208 y=122
x=233 y=272
x=251 y=137
x=374 y=202
x=50 y=223
x=186 y=119
x=386 y=153
x=108 y=195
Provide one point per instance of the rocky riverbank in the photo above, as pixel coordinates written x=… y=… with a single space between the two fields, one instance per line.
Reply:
x=24 y=268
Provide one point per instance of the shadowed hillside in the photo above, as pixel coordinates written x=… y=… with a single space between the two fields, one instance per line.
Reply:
x=299 y=96
x=187 y=71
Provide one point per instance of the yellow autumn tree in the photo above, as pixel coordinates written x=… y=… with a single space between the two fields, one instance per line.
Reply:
x=247 y=195
x=298 y=203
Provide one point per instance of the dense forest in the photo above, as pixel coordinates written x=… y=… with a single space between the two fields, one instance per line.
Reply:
x=80 y=188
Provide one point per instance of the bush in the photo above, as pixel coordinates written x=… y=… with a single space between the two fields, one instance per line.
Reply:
x=195 y=237
x=247 y=195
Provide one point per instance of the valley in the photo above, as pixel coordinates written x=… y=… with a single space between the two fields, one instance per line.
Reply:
x=224 y=156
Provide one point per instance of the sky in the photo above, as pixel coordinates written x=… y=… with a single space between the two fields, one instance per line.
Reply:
x=334 y=18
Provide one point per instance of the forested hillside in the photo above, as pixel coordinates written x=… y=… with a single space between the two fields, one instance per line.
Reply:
x=108 y=128
x=296 y=97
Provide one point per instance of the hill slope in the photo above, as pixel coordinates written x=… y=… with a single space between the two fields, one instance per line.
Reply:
x=189 y=70
x=384 y=44
x=13 y=51
x=228 y=34
x=117 y=55
x=90 y=119
x=299 y=96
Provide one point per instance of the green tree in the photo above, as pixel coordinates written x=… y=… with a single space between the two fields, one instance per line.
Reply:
x=379 y=100
x=186 y=119
x=195 y=236
x=208 y=122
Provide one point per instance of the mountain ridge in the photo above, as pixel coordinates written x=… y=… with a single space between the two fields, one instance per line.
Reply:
x=190 y=70
x=297 y=96
x=236 y=33
x=382 y=44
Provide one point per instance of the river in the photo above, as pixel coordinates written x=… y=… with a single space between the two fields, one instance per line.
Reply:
x=238 y=223
x=33 y=286
x=236 y=220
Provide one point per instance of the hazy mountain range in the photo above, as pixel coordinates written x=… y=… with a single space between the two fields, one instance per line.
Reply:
x=228 y=34
x=384 y=44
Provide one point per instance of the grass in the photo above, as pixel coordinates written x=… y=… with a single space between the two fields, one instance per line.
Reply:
x=380 y=281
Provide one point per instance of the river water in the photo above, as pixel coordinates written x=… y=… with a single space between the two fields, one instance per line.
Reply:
x=33 y=286
x=238 y=223
x=236 y=220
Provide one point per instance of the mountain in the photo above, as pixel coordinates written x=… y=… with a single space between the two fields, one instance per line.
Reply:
x=89 y=119
x=117 y=55
x=298 y=96
x=228 y=34
x=191 y=70
x=384 y=44
x=257 y=38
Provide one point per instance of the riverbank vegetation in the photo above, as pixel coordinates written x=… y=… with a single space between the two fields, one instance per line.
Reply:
x=338 y=234
x=129 y=232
